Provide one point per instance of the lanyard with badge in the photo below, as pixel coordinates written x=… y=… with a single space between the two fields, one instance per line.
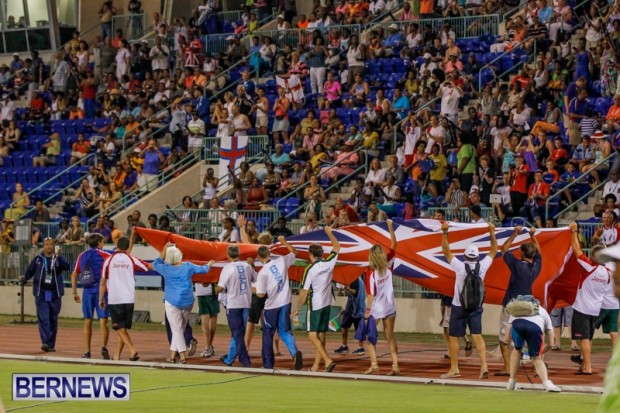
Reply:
x=47 y=267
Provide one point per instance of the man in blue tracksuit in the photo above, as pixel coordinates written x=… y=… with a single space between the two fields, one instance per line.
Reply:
x=46 y=270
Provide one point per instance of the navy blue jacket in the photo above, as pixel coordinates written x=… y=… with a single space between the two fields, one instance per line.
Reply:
x=36 y=270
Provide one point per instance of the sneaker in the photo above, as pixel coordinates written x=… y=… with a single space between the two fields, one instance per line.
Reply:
x=512 y=384
x=86 y=355
x=205 y=353
x=105 y=354
x=192 y=347
x=550 y=387
x=359 y=352
x=223 y=360
x=299 y=361
x=342 y=349
x=211 y=351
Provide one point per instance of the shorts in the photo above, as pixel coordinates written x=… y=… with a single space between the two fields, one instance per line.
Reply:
x=503 y=325
x=121 y=315
x=256 y=309
x=208 y=305
x=90 y=302
x=524 y=331
x=609 y=320
x=347 y=321
x=447 y=310
x=280 y=125
x=460 y=319
x=262 y=121
x=562 y=317
x=367 y=331
x=319 y=320
x=582 y=326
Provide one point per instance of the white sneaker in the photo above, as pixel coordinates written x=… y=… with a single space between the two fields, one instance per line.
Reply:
x=211 y=352
x=205 y=353
x=550 y=387
x=512 y=384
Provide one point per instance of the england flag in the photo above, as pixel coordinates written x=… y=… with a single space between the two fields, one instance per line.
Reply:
x=233 y=151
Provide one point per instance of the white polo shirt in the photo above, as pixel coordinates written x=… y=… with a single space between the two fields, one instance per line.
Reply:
x=459 y=268
x=273 y=281
x=592 y=287
x=236 y=278
x=317 y=280
x=119 y=271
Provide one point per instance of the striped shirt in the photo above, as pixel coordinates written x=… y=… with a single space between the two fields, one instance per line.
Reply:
x=317 y=280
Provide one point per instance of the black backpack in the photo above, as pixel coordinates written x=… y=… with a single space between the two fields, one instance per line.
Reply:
x=472 y=293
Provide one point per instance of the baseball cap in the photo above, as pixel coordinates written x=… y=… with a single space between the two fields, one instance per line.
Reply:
x=472 y=251
x=427 y=55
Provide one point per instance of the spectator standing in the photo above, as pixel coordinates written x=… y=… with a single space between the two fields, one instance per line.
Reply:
x=153 y=159
x=106 y=13
x=118 y=280
x=461 y=318
x=91 y=263
x=48 y=288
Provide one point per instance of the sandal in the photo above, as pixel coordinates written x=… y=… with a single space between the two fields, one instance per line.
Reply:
x=135 y=357
x=469 y=348
x=373 y=369
x=170 y=361
x=484 y=375
x=395 y=371
x=556 y=348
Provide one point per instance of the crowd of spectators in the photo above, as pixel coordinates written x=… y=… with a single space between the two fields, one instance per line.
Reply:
x=519 y=142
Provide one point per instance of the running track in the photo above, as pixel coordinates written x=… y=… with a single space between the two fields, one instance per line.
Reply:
x=416 y=360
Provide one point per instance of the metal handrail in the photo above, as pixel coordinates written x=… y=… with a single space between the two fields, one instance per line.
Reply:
x=188 y=160
x=52 y=179
x=460 y=24
x=244 y=61
x=505 y=53
x=363 y=166
x=399 y=124
x=305 y=184
x=578 y=180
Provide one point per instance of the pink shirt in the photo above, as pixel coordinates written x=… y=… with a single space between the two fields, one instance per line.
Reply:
x=332 y=90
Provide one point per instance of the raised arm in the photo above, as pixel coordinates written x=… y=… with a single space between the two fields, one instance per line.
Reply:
x=445 y=246
x=534 y=240
x=574 y=240
x=291 y=249
x=493 y=251
x=332 y=238
x=390 y=225
x=508 y=242
x=242 y=232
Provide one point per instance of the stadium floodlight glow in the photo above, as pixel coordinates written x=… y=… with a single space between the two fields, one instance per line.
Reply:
x=84 y=387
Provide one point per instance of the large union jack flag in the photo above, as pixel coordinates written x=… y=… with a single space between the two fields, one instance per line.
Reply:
x=418 y=255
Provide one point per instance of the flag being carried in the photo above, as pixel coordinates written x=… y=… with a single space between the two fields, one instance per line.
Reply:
x=419 y=257
x=293 y=87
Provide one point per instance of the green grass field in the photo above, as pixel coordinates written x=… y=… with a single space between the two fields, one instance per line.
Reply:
x=155 y=391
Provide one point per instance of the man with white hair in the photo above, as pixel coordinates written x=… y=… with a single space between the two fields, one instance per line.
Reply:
x=236 y=281
x=463 y=315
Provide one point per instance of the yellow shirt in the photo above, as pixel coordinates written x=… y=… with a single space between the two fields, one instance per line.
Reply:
x=370 y=140
x=439 y=172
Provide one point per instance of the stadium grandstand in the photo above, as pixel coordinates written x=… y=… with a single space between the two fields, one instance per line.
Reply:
x=321 y=113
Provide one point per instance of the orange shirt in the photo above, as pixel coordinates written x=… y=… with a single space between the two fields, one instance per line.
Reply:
x=426 y=6
x=303 y=25
x=83 y=147
x=613 y=113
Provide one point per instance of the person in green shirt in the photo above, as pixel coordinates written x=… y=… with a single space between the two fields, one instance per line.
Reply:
x=610 y=401
x=466 y=163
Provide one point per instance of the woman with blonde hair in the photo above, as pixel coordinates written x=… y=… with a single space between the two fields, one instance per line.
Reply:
x=178 y=294
x=380 y=305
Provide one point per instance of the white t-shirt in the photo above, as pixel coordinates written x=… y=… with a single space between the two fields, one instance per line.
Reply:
x=592 y=288
x=459 y=268
x=273 y=281
x=541 y=319
x=610 y=301
x=201 y=290
x=449 y=100
x=382 y=289
x=234 y=235
x=611 y=187
x=236 y=278
x=610 y=236
x=411 y=138
x=119 y=271
x=437 y=132
x=317 y=280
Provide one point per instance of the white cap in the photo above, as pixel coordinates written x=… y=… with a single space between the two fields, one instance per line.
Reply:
x=472 y=251
x=393 y=26
x=609 y=254
x=474 y=188
x=427 y=55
